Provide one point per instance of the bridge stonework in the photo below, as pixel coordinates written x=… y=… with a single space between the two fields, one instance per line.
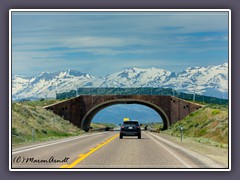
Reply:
x=81 y=110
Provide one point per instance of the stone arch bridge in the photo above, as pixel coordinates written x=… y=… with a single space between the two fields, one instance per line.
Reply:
x=81 y=110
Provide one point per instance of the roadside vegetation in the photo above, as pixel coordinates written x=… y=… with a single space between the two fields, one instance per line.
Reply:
x=30 y=122
x=98 y=125
x=154 y=126
x=207 y=125
x=101 y=127
x=40 y=103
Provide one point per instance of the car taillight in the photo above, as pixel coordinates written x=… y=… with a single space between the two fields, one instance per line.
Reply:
x=138 y=126
x=122 y=126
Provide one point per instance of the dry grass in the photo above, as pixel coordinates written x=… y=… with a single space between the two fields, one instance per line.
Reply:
x=208 y=125
x=46 y=125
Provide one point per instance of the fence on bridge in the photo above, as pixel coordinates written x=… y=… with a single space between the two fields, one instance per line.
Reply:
x=140 y=91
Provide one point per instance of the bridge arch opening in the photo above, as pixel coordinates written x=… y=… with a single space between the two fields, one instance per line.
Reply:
x=87 y=119
x=115 y=114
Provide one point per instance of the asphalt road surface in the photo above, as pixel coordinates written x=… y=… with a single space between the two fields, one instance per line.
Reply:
x=106 y=150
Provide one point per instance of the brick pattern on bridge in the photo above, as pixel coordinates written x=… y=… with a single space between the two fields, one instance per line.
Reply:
x=170 y=108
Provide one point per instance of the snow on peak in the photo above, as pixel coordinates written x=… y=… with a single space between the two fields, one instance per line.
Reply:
x=225 y=64
x=73 y=73
x=134 y=69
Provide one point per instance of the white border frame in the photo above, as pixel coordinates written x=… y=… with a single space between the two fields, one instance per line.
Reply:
x=120 y=10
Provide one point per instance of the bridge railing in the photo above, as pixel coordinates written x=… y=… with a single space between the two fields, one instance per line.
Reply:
x=140 y=91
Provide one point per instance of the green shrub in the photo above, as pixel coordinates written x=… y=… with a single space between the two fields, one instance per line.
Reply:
x=215 y=111
x=14 y=132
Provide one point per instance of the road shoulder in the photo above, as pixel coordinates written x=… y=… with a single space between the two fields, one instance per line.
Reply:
x=220 y=155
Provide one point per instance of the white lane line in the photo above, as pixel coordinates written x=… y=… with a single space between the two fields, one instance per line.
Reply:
x=53 y=141
x=201 y=158
x=59 y=140
x=24 y=149
x=44 y=143
x=173 y=154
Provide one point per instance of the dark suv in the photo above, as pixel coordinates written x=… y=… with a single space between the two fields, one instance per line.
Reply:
x=130 y=128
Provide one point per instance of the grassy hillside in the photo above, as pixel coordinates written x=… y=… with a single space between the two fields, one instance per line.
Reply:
x=208 y=125
x=40 y=103
x=30 y=115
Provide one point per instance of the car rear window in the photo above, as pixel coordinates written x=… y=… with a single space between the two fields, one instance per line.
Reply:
x=130 y=122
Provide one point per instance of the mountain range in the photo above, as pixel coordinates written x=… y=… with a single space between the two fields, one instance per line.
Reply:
x=209 y=81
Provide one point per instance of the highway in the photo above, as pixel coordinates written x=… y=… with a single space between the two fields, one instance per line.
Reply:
x=106 y=150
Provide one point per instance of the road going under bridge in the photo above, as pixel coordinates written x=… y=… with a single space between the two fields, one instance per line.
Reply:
x=81 y=110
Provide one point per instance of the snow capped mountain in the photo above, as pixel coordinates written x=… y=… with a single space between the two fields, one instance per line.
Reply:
x=47 y=84
x=210 y=81
x=19 y=83
x=136 y=77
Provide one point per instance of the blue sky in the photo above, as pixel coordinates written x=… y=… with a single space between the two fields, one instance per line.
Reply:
x=101 y=43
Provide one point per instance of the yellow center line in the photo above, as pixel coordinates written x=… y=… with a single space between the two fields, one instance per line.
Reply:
x=64 y=166
x=92 y=150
